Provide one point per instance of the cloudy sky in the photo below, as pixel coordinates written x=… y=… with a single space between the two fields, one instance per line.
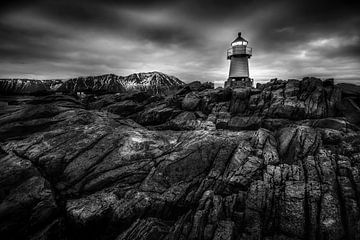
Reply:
x=186 y=38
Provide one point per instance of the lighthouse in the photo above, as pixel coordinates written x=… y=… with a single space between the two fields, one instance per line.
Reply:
x=239 y=55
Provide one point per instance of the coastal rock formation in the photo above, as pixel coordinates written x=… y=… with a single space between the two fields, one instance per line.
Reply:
x=285 y=165
x=270 y=105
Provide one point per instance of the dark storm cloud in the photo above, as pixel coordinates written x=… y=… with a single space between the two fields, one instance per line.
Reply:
x=298 y=23
x=29 y=44
x=49 y=38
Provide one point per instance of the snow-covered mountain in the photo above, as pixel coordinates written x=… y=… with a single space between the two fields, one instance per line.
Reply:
x=22 y=86
x=108 y=83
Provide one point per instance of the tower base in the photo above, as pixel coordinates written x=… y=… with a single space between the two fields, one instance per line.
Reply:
x=238 y=82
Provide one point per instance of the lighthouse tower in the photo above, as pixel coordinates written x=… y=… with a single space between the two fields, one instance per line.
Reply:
x=238 y=54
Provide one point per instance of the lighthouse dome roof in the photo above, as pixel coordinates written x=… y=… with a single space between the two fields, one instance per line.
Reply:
x=239 y=40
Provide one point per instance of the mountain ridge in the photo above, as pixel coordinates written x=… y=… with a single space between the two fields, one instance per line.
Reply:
x=100 y=83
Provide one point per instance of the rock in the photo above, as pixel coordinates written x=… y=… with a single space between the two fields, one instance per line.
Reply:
x=187 y=88
x=195 y=86
x=349 y=89
x=225 y=230
x=243 y=123
x=190 y=102
x=200 y=115
x=239 y=100
x=185 y=116
x=289 y=108
x=220 y=95
x=30 y=118
x=67 y=172
x=292 y=88
x=155 y=115
x=297 y=142
x=186 y=125
x=186 y=121
x=349 y=107
x=209 y=98
x=220 y=115
x=147 y=229
x=100 y=102
x=332 y=123
x=274 y=123
x=289 y=100
x=124 y=108
x=137 y=96
x=27 y=201
x=328 y=82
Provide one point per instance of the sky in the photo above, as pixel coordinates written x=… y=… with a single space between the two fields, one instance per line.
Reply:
x=46 y=39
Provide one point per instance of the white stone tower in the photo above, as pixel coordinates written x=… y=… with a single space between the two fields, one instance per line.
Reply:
x=238 y=54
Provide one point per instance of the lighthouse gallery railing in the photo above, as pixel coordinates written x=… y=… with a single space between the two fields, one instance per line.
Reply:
x=239 y=50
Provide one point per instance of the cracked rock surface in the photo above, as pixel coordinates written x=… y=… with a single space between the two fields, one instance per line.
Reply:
x=281 y=161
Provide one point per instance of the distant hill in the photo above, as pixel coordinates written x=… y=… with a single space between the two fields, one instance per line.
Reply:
x=108 y=83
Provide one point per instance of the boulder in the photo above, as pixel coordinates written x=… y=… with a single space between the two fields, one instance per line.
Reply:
x=195 y=86
x=297 y=142
x=185 y=116
x=239 y=100
x=274 y=123
x=27 y=202
x=349 y=89
x=124 y=108
x=137 y=96
x=190 y=102
x=243 y=123
x=155 y=115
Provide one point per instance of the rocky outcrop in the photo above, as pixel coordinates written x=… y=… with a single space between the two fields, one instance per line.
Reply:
x=270 y=105
x=190 y=101
x=71 y=172
x=350 y=102
x=28 y=204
